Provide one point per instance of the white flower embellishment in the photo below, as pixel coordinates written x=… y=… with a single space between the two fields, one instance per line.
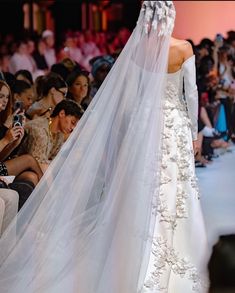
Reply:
x=158 y=16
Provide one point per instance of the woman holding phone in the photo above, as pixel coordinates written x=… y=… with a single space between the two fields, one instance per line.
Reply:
x=24 y=167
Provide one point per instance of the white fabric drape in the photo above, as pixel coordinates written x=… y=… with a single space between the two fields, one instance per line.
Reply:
x=85 y=227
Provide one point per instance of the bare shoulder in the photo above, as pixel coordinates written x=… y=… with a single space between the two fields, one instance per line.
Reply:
x=186 y=49
x=180 y=50
x=183 y=48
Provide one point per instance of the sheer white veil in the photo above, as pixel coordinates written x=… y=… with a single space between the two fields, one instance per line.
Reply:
x=87 y=227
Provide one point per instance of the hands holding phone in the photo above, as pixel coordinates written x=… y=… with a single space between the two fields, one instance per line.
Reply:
x=15 y=124
x=18 y=117
x=14 y=135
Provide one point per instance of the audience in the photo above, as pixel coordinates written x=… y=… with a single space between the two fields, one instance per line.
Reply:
x=21 y=59
x=79 y=87
x=45 y=136
x=49 y=40
x=54 y=90
x=51 y=90
x=100 y=69
x=23 y=92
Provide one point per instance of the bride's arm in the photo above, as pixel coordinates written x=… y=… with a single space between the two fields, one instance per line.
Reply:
x=191 y=94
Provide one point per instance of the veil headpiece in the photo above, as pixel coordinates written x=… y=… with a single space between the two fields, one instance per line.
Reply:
x=88 y=225
x=159 y=15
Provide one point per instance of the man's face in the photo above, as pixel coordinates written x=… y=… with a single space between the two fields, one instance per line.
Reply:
x=67 y=123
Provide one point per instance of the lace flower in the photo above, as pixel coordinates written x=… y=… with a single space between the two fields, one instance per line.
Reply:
x=158 y=15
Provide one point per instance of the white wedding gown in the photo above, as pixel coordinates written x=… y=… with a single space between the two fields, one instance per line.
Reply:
x=179 y=247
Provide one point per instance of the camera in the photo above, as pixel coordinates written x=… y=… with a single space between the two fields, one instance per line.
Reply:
x=17 y=120
x=18 y=105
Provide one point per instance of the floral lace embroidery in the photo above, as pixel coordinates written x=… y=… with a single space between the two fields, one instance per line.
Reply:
x=165 y=257
x=181 y=158
x=159 y=16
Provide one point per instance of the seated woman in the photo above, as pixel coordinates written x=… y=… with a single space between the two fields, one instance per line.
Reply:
x=23 y=92
x=79 y=87
x=52 y=89
x=25 y=168
x=216 y=143
x=45 y=136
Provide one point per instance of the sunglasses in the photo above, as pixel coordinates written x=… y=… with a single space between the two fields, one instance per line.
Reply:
x=63 y=93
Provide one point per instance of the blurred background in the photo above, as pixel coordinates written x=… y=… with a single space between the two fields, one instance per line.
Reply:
x=203 y=18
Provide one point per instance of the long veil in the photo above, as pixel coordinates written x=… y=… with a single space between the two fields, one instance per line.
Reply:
x=87 y=227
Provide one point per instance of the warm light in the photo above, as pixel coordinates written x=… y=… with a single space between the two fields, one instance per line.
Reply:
x=203 y=19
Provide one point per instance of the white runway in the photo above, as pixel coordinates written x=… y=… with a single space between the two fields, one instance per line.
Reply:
x=217 y=186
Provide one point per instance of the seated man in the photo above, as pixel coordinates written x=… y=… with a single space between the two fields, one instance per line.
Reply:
x=44 y=137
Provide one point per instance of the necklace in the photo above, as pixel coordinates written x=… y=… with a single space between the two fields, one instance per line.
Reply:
x=49 y=127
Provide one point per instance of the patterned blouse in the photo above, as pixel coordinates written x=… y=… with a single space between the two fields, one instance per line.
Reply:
x=40 y=142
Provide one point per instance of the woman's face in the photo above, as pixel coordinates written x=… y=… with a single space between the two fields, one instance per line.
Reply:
x=27 y=98
x=4 y=97
x=79 y=88
x=59 y=95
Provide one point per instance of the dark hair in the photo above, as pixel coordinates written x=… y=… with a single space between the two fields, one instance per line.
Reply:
x=206 y=43
x=60 y=69
x=4 y=114
x=70 y=108
x=72 y=78
x=222 y=263
x=10 y=79
x=224 y=49
x=20 y=86
x=27 y=74
x=71 y=64
x=49 y=81
x=99 y=62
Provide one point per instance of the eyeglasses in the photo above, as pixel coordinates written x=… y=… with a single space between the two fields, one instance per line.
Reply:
x=63 y=93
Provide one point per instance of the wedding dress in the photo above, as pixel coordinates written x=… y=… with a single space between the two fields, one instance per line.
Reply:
x=178 y=254
x=91 y=224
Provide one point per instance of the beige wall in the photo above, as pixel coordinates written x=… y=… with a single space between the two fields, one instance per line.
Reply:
x=199 y=19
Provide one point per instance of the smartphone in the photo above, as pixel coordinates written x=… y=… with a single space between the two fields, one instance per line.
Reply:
x=17 y=120
x=18 y=105
x=219 y=39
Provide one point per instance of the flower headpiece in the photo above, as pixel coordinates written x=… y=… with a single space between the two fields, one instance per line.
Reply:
x=159 y=16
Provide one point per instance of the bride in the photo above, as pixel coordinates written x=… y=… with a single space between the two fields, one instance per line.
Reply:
x=118 y=209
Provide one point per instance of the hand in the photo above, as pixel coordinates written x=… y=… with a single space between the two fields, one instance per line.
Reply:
x=9 y=120
x=20 y=137
x=14 y=134
x=196 y=147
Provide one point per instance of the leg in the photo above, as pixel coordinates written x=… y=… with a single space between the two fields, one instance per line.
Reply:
x=28 y=176
x=22 y=163
x=204 y=117
x=200 y=160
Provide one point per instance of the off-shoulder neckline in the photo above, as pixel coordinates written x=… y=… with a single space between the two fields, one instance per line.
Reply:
x=185 y=61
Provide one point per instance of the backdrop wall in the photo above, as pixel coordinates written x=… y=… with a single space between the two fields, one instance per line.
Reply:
x=199 y=19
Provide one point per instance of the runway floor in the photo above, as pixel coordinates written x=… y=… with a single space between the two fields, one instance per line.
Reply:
x=217 y=187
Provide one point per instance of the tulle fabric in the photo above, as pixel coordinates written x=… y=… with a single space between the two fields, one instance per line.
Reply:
x=85 y=227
